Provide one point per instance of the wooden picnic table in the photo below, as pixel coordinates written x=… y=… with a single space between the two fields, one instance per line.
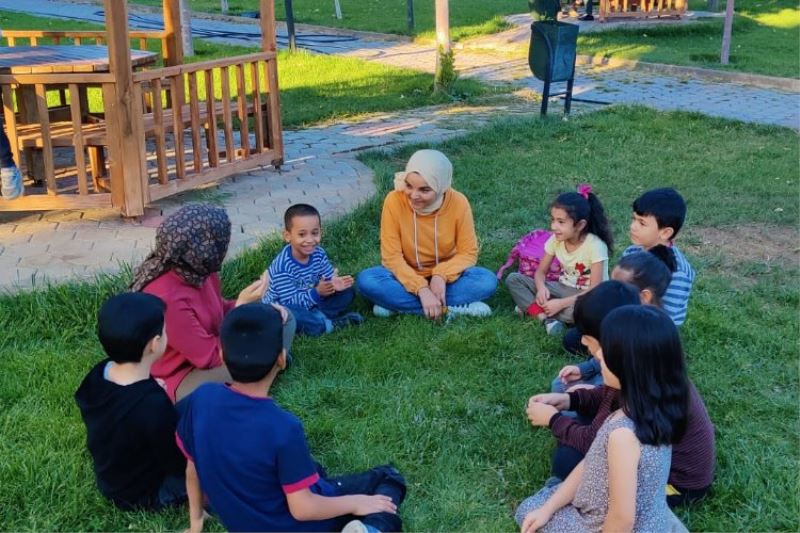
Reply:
x=63 y=59
x=55 y=61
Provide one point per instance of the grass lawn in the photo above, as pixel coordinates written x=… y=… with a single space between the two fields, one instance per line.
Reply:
x=765 y=40
x=445 y=402
x=467 y=17
x=314 y=88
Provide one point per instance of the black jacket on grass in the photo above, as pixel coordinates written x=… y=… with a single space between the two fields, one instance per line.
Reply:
x=130 y=433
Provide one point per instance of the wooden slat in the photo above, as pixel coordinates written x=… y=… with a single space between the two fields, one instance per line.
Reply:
x=80 y=157
x=244 y=129
x=275 y=128
x=161 y=145
x=47 y=79
x=47 y=146
x=227 y=120
x=194 y=111
x=211 y=131
x=43 y=202
x=176 y=90
x=259 y=115
x=167 y=72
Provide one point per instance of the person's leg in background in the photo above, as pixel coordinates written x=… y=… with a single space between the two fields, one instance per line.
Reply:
x=10 y=177
x=385 y=480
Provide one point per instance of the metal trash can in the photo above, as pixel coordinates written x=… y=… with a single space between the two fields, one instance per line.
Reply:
x=551 y=56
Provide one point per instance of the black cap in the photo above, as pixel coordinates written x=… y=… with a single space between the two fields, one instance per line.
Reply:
x=252 y=339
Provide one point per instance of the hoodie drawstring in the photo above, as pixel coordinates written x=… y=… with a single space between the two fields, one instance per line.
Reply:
x=435 y=239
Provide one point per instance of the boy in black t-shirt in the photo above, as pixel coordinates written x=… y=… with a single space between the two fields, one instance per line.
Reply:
x=130 y=421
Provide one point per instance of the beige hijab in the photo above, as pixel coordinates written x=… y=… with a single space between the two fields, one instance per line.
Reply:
x=435 y=169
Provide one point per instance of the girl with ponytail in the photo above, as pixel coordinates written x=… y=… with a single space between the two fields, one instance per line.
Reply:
x=581 y=242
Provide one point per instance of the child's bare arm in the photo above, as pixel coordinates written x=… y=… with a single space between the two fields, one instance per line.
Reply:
x=195 y=495
x=305 y=505
x=542 y=294
x=561 y=497
x=624 y=452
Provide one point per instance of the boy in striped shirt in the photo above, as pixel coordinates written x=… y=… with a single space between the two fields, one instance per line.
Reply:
x=303 y=280
x=658 y=215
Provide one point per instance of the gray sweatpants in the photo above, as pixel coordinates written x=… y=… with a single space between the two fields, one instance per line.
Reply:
x=523 y=292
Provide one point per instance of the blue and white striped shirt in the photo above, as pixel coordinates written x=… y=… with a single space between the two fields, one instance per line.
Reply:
x=676 y=299
x=293 y=283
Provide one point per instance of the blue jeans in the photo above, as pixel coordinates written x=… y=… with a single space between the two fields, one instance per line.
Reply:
x=384 y=480
x=6 y=160
x=317 y=321
x=381 y=287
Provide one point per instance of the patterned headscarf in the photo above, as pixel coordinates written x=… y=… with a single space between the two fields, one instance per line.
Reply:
x=192 y=242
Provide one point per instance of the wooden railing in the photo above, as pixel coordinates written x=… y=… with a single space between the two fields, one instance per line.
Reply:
x=77 y=38
x=208 y=120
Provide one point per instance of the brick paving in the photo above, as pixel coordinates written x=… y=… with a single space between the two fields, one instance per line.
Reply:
x=321 y=167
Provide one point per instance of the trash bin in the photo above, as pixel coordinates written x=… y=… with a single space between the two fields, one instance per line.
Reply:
x=551 y=55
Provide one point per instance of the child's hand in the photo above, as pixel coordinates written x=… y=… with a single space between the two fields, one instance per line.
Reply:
x=554 y=306
x=559 y=400
x=534 y=520
x=540 y=413
x=431 y=305
x=325 y=287
x=364 y=505
x=569 y=373
x=542 y=295
x=341 y=283
x=283 y=312
x=254 y=291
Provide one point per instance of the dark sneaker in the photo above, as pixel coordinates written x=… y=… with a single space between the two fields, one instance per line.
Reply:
x=347 y=319
x=586 y=17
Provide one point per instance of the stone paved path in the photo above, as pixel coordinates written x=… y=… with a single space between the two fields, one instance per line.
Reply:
x=321 y=165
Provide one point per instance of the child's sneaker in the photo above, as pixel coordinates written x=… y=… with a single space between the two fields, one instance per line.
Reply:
x=381 y=312
x=518 y=311
x=473 y=309
x=11 y=183
x=553 y=326
x=347 y=319
x=357 y=526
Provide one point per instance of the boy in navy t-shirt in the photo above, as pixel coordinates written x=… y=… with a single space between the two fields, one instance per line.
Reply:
x=251 y=458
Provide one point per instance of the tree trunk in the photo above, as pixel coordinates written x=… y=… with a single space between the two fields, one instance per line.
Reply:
x=410 y=15
x=223 y=6
x=186 y=28
x=725 y=55
x=337 y=8
x=443 y=25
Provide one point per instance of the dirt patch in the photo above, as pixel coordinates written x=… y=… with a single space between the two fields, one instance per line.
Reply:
x=753 y=243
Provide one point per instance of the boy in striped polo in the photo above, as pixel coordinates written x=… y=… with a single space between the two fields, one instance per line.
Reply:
x=303 y=280
x=658 y=216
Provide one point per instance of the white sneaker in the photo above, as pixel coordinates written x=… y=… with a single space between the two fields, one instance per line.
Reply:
x=357 y=526
x=553 y=326
x=11 y=183
x=381 y=312
x=473 y=309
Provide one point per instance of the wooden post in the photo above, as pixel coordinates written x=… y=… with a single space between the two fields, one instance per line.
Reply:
x=124 y=117
x=268 y=39
x=186 y=28
x=172 y=28
x=443 y=25
x=724 y=56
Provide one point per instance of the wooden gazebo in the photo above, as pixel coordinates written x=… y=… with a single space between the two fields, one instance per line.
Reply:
x=157 y=132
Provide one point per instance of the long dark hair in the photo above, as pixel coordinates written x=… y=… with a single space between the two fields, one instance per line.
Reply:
x=593 y=306
x=641 y=346
x=650 y=269
x=579 y=207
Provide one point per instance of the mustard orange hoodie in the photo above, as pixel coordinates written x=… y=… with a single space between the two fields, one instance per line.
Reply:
x=415 y=247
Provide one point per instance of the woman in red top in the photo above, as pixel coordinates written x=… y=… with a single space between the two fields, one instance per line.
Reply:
x=183 y=270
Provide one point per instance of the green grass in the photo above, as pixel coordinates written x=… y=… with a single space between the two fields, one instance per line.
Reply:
x=445 y=402
x=314 y=88
x=765 y=40
x=467 y=17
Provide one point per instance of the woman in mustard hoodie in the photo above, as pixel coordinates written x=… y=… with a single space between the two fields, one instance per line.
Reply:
x=428 y=247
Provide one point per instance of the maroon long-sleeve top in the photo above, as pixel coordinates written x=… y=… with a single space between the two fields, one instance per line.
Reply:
x=193 y=317
x=693 y=457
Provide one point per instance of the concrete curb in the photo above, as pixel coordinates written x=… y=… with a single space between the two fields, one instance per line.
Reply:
x=758 y=80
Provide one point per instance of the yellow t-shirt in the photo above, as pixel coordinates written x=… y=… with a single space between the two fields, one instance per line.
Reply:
x=576 y=266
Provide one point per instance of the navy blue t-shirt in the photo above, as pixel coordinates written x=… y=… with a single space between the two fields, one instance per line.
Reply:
x=249 y=453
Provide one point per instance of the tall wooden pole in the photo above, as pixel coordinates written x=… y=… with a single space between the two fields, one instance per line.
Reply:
x=267 y=18
x=186 y=27
x=724 y=57
x=123 y=107
x=173 y=54
x=443 y=25
x=268 y=43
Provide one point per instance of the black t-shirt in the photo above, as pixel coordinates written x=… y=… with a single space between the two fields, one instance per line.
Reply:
x=130 y=433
